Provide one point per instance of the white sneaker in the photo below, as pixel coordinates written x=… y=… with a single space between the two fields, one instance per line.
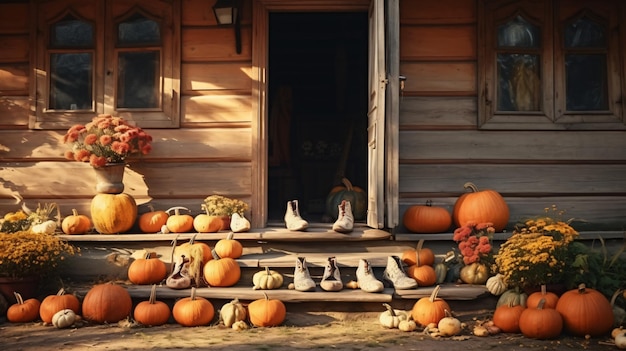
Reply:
x=301 y=278
x=239 y=223
x=293 y=219
x=395 y=275
x=366 y=279
x=331 y=281
x=345 y=220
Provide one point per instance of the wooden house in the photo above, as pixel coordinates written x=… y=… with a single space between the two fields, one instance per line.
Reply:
x=409 y=99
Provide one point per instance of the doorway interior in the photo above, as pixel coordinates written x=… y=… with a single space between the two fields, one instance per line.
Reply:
x=317 y=108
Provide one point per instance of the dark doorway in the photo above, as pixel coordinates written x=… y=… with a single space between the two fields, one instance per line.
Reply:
x=317 y=108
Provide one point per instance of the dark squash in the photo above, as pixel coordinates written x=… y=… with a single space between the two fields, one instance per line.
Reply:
x=348 y=192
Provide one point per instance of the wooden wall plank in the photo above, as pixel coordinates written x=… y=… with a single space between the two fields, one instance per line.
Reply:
x=217 y=76
x=215 y=44
x=14 y=17
x=442 y=112
x=219 y=144
x=438 y=42
x=14 y=79
x=515 y=179
x=434 y=12
x=462 y=146
x=439 y=77
x=222 y=108
x=14 y=48
x=13 y=111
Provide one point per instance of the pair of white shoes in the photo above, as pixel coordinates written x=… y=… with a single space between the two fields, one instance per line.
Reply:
x=343 y=224
x=331 y=280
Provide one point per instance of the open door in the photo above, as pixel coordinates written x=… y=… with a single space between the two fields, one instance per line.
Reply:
x=376 y=115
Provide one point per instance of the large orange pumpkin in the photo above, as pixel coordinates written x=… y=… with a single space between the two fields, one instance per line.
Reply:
x=348 y=192
x=54 y=303
x=152 y=312
x=267 y=312
x=481 y=206
x=107 y=303
x=506 y=317
x=221 y=271
x=585 y=311
x=427 y=219
x=540 y=322
x=193 y=311
x=113 y=213
x=430 y=309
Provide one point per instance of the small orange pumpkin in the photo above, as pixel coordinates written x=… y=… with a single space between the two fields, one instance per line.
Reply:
x=221 y=271
x=267 y=312
x=152 y=312
x=229 y=247
x=113 y=213
x=147 y=270
x=420 y=255
x=177 y=222
x=23 y=311
x=193 y=311
x=107 y=303
x=506 y=317
x=206 y=223
x=153 y=221
x=427 y=218
x=481 y=206
x=540 y=322
x=549 y=298
x=75 y=223
x=54 y=303
x=430 y=309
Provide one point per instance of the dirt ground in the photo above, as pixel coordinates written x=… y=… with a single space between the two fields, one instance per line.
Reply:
x=306 y=331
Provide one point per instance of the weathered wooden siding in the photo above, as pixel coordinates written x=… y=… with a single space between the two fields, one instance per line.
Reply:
x=441 y=146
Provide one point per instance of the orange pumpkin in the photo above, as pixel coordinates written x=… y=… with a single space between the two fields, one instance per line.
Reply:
x=506 y=317
x=107 y=303
x=229 y=247
x=549 y=298
x=421 y=255
x=430 y=309
x=23 y=311
x=153 y=221
x=75 y=223
x=267 y=312
x=427 y=218
x=585 y=311
x=423 y=275
x=113 y=213
x=177 y=222
x=54 y=303
x=221 y=271
x=348 y=192
x=206 y=223
x=152 y=312
x=193 y=311
x=481 y=206
x=147 y=270
x=540 y=322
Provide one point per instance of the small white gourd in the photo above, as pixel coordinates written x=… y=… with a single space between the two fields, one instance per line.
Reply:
x=63 y=318
x=232 y=313
x=391 y=318
x=448 y=325
x=47 y=227
x=496 y=285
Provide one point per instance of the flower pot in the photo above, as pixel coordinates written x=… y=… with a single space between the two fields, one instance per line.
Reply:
x=225 y=223
x=109 y=178
x=26 y=286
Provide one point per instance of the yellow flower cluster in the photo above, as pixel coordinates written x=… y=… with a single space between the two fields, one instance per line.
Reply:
x=536 y=253
x=25 y=253
x=218 y=205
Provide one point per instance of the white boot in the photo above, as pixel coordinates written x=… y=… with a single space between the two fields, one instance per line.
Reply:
x=394 y=274
x=239 y=223
x=331 y=281
x=345 y=220
x=292 y=217
x=366 y=279
x=301 y=278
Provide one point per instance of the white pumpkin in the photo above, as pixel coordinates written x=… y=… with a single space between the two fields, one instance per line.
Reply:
x=47 y=227
x=233 y=312
x=63 y=318
x=496 y=285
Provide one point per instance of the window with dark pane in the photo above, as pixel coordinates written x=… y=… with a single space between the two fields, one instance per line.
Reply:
x=138 y=63
x=518 y=57
x=586 y=53
x=71 y=62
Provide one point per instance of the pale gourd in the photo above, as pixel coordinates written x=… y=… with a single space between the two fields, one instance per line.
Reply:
x=64 y=318
x=408 y=325
x=240 y=325
x=391 y=318
x=47 y=227
x=620 y=341
x=267 y=280
x=448 y=325
x=496 y=285
x=233 y=312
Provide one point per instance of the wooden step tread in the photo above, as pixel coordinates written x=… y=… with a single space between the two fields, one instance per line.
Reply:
x=314 y=233
x=446 y=291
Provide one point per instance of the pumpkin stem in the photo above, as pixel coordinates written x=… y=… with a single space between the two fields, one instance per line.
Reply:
x=193 y=239
x=615 y=295
x=418 y=249
x=61 y=292
x=230 y=236
x=581 y=288
x=74 y=212
x=152 y=299
x=544 y=289
x=176 y=210
x=541 y=303
x=18 y=298
x=470 y=185
x=390 y=309
x=148 y=255
x=429 y=203
x=347 y=183
x=215 y=255
x=174 y=243
x=433 y=295
x=266 y=297
x=447 y=313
